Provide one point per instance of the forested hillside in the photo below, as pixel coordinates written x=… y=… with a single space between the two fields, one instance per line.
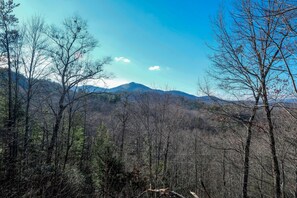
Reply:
x=62 y=137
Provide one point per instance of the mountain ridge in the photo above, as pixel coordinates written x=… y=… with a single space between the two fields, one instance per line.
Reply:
x=133 y=87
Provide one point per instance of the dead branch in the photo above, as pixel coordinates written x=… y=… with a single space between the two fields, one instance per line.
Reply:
x=163 y=191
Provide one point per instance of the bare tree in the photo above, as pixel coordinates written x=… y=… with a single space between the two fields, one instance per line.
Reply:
x=70 y=52
x=8 y=35
x=247 y=62
x=34 y=62
x=123 y=115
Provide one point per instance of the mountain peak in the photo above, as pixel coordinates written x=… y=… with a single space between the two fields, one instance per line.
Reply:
x=130 y=87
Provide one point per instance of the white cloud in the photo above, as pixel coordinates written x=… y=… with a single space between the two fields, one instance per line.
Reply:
x=154 y=68
x=122 y=59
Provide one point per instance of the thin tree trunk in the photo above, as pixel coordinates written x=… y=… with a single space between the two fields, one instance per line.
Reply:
x=224 y=173
x=166 y=154
x=247 y=149
x=276 y=169
x=123 y=138
x=296 y=182
x=283 y=177
x=10 y=136
x=26 y=135
x=68 y=146
x=150 y=159
x=83 y=149
x=55 y=130
x=196 y=161
x=27 y=116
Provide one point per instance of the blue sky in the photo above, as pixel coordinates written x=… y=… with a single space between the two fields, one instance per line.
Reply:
x=159 y=43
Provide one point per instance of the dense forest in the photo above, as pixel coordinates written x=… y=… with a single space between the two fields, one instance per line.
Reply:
x=59 y=139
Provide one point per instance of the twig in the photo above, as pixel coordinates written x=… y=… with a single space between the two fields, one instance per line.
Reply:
x=194 y=194
x=164 y=191
x=204 y=188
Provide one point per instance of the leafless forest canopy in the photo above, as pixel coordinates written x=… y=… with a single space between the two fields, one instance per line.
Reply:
x=60 y=140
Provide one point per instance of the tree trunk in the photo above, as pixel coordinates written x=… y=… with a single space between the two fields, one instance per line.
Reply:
x=27 y=121
x=123 y=138
x=166 y=154
x=247 y=149
x=283 y=178
x=68 y=146
x=55 y=130
x=12 y=150
x=296 y=182
x=276 y=169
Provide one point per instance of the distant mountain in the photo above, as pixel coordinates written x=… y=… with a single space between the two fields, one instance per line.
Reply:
x=130 y=87
x=182 y=94
x=91 y=88
x=212 y=99
x=285 y=101
x=22 y=80
x=289 y=100
x=139 y=88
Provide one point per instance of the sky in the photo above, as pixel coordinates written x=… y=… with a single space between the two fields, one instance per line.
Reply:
x=159 y=43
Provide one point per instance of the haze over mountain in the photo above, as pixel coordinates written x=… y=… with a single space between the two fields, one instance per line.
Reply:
x=134 y=87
